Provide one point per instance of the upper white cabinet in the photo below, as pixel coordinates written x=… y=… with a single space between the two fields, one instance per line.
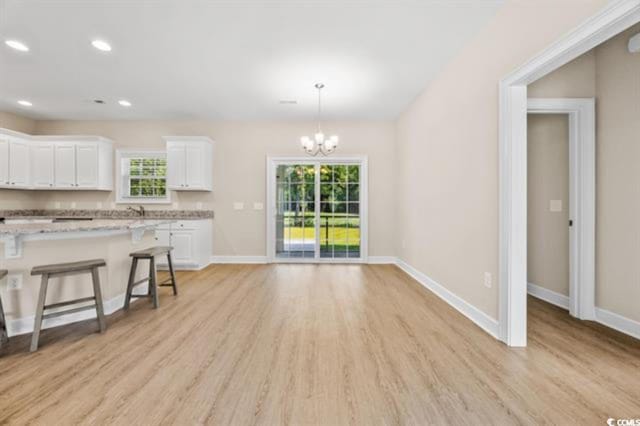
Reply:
x=14 y=160
x=42 y=164
x=189 y=163
x=55 y=162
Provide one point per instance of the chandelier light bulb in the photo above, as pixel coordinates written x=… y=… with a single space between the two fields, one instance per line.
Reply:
x=319 y=137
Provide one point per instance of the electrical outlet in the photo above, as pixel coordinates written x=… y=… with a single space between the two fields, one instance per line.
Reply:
x=238 y=206
x=73 y=205
x=258 y=206
x=14 y=282
x=488 y=279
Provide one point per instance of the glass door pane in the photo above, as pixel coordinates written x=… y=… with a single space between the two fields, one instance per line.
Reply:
x=295 y=217
x=339 y=211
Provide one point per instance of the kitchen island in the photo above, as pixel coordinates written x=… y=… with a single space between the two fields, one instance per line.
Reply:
x=39 y=237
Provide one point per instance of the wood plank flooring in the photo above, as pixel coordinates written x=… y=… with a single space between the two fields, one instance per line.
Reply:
x=316 y=344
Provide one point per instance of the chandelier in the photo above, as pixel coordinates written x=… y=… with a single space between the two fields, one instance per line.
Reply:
x=318 y=144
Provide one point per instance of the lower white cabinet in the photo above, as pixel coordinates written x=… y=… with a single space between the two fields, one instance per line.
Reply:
x=191 y=241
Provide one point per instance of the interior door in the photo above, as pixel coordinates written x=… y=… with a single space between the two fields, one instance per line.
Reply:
x=4 y=162
x=87 y=165
x=65 y=165
x=194 y=173
x=19 y=163
x=43 y=160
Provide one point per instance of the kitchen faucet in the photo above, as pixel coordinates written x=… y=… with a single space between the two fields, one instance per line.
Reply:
x=139 y=210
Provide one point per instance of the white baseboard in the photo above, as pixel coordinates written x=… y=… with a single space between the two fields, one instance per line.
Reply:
x=481 y=319
x=25 y=325
x=618 y=322
x=604 y=317
x=548 y=296
x=239 y=259
x=382 y=260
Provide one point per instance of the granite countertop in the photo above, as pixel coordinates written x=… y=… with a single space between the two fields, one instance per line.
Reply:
x=12 y=230
x=106 y=214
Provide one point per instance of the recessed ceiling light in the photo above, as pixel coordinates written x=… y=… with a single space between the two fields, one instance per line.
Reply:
x=101 y=45
x=124 y=103
x=25 y=103
x=17 y=45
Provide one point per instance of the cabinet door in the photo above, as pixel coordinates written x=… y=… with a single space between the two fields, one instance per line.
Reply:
x=87 y=165
x=175 y=166
x=4 y=162
x=19 y=163
x=194 y=154
x=162 y=237
x=182 y=243
x=65 y=165
x=42 y=165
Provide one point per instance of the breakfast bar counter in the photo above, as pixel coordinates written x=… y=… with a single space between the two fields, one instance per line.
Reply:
x=32 y=238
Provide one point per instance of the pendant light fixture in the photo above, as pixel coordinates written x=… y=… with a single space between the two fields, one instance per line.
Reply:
x=318 y=144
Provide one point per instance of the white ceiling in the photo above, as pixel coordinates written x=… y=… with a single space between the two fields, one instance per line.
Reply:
x=234 y=60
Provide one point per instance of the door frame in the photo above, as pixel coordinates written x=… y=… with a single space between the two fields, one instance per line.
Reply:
x=273 y=162
x=582 y=197
x=610 y=21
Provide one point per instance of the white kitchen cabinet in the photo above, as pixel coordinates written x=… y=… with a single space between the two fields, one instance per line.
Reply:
x=4 y=162
x=87 y=165
x=14 y=162
x=55 y=162
x=42 y=164
x=65 y=165
x=189 y=163
x=191 y=241
x=82 y=162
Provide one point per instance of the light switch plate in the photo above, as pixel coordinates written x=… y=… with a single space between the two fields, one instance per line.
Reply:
x=238 y=206
x=258 y=206
x=73 y=204
x=555 y=206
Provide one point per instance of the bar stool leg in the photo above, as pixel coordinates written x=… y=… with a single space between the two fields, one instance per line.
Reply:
x=173 y=274
x=4 y=335
x=35 y=337
x=97 y=292
x=132 y=278
x=153 y=283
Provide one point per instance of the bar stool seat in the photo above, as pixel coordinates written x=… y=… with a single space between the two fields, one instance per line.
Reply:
x=66 y=269
x=150 y=255
x=4 y=336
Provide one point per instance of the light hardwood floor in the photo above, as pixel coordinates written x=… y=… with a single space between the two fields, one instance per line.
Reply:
x=316 y=344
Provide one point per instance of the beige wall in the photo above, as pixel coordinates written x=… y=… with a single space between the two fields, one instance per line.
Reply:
x=618 y=177
x=448 y=150
x=548 y=179
x=239 y=172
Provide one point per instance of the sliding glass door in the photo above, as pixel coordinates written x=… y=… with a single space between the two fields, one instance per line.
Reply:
x=318 y=206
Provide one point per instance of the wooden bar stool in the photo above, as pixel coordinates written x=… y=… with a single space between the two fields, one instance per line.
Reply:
x=150 y=255
x=61 y=270
x=4 y=336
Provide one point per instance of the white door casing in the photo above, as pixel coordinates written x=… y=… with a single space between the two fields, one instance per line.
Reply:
x=613 y=19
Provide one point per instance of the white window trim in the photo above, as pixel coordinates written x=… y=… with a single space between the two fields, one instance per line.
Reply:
x=127 y=153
